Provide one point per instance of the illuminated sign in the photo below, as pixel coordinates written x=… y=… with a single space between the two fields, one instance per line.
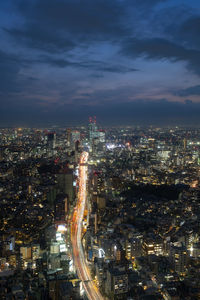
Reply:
x=63 y=248
x=61 y=228
x=71 y=266
x=59 y=237
x=101 y=253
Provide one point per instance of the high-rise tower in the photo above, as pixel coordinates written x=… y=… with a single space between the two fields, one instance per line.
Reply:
x=93 y=131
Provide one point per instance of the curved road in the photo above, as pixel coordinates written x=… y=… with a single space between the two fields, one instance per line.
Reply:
x=76 y=233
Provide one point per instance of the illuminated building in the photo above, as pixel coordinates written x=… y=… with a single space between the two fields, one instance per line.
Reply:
x=13 y=260
x=93 y=132
x=55 y=248
x=184 y=144
x=26 y=252
x=178 y=255
x=119 y=253
x=133 y=248
x=35 y=252
x=75 y=136
x=101 y=135
x=99 y=271
x=68 y=137
x=152 y=246
x=96 y=137
x=117 y=282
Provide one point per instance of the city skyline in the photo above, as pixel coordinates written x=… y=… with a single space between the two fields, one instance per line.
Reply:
x=133 y=62
x=100 y=214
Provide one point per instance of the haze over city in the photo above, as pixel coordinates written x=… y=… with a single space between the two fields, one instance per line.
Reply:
x=128 y=61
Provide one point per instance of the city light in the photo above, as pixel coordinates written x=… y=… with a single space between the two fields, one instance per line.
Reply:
x=63 y=248
x=104 y=216
x=101 y=253
x=61 y=228
x=59 y=236
x=100 y=149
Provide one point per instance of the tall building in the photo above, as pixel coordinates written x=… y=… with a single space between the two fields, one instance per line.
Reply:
x=26 y=252
x=51 y=140
x=60 y=207
x=75 y=139
x=184 y=143
x=152 y=246
x=65 y=184
x=101 y=134
x=116 y=283
x=93 y=132
x=99 y=270
x=68 y=137
x=75 y=136
x=133 y=248
x=178 y=256
x=96 y=137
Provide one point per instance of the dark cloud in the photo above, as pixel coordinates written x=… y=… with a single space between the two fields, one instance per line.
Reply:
x=145 y=7
x=58 y=25
x=167 y=22
x=99 y=66
x=55 y=62
x=191 y=91
x=108 y=67
x=86 y=35
x=41 y=38
x=158 y=48
x=13 y=78
x=189 y=32
x=53 y=25
x=9 y=72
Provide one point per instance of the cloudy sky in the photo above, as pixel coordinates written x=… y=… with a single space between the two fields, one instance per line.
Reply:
x=125 y=61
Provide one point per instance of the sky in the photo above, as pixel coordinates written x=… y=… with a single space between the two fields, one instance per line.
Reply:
x=124 y=61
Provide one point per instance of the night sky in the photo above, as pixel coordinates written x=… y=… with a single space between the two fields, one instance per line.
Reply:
x=125 y=61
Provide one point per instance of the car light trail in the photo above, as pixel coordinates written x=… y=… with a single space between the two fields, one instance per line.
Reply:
x=76 y=233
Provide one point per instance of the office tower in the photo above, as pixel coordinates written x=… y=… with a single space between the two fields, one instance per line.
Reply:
x=75 y=139
x=133 y=248
x=178 y=256
x=69 y=137
x=102 y=136
x=77 y=145
x=75 y=136
x=51 y=140
x=60 y=207
x=65 y=184
x=184 y=144
x=152 y=245
x=96 y=138
x=93 y=132
x=117 y=282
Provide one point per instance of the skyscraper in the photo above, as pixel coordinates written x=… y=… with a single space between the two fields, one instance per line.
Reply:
x=68 y=137
x=65 y=184
x=93 y=132
x=51 y=140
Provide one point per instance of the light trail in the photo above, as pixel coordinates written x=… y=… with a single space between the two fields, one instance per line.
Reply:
x=76 y=233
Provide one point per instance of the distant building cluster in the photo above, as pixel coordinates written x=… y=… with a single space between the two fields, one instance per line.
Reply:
x=141 y=227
